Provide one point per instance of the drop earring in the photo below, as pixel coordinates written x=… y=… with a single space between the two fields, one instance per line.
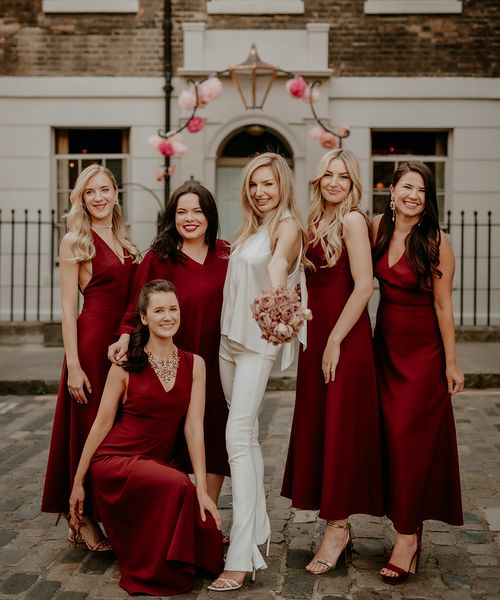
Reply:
x=393 y=208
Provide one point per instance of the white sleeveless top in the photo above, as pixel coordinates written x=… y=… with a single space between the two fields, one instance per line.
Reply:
x=246 y=279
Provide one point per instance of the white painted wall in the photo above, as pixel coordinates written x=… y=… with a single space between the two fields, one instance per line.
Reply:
x=31 y=107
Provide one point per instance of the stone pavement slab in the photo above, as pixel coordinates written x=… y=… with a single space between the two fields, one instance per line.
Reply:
x=458 y=563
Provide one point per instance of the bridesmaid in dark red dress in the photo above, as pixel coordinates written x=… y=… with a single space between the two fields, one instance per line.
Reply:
x=416 y=367
x=188 y=253
x=96 y=257
x=334 y=462
x=155 y=517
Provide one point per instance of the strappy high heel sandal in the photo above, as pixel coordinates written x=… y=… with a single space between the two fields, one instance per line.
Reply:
x=401 y=574
x=73 y=538
x=77 y=537
x=346 y=550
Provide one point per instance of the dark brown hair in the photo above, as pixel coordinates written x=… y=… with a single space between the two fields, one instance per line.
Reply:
x=136 y=357
x=422 y=243
x=168 y=243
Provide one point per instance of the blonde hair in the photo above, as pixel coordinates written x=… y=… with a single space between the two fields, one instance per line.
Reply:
x=79 y=223
x=252 y=217
x=330 y=234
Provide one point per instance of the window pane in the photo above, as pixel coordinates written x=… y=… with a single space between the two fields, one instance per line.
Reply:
x=95 y=141
x=437 y=169
x=422 y=143
x=382 y=177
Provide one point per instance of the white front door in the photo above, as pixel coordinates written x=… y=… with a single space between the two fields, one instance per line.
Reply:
x=228 y=186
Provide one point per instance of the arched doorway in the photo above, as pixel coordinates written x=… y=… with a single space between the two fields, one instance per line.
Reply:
x=233 y=154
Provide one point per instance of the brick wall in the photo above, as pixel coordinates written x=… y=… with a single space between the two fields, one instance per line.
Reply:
x=33 y=43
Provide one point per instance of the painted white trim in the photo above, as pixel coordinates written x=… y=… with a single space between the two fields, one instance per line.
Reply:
x=393 y=88
x=81 y=87
x=255 y=7
x=396 y=7
x=90 y=6
x=456 y=88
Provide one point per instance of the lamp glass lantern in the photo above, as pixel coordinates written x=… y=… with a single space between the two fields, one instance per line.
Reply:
x=253 y=79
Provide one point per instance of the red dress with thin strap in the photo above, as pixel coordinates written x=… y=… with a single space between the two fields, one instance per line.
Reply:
x=421 y=460
x=199 y=286
x=334 y=461
x=104 y=300
x=148 y=507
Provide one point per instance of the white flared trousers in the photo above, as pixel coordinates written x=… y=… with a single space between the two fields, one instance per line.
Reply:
x=244 y=375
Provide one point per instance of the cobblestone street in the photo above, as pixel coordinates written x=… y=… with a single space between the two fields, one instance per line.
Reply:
x=37 y=563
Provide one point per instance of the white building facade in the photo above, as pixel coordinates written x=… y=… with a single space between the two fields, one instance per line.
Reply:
x=52 y=126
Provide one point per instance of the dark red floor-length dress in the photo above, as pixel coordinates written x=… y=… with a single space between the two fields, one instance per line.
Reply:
x=199 y=287
x=148 y=507
x=334 y=461
x=104 y=301
x=422 y=479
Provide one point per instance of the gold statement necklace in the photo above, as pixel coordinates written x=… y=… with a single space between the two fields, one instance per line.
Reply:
x=165 y=368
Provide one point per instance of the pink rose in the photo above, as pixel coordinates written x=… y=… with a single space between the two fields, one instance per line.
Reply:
x=264 y=320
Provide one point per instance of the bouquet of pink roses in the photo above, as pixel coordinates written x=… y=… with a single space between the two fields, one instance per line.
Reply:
x=279 y=314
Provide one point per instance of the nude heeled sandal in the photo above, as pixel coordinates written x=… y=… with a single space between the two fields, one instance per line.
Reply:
x=346 y=550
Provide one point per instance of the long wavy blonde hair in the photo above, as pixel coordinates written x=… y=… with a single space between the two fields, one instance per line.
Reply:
x=252 y=217
x=79 y=223
x=330 y=233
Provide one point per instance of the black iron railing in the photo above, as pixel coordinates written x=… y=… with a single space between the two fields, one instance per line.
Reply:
x=29 y=274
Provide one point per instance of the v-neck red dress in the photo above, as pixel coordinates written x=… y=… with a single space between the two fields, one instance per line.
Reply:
x=104 y=300
x=148 y=507
x=420 y=446
x=334 y=458
x=199 y=287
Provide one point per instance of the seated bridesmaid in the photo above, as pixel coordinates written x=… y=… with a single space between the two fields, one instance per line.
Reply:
x=155 y=517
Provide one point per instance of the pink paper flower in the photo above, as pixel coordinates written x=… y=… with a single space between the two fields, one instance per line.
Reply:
x=343 y=131
x=310 y=94
x=296 y=87
x=166 y=148
x=155 y=141
x=210 y=89
x=160 y=174
x=179 y=149
x=328 y=140
x=279 y=314
x=187 y=99
x=196 y=124
x=316 y=132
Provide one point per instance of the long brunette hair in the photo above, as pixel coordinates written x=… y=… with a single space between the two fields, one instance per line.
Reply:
x=168 y=243
x=136 y=356
x=422 y=242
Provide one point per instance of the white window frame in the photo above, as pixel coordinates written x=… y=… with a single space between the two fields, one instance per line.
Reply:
x=255 y=7
x=415 y=7
x=90 y=6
